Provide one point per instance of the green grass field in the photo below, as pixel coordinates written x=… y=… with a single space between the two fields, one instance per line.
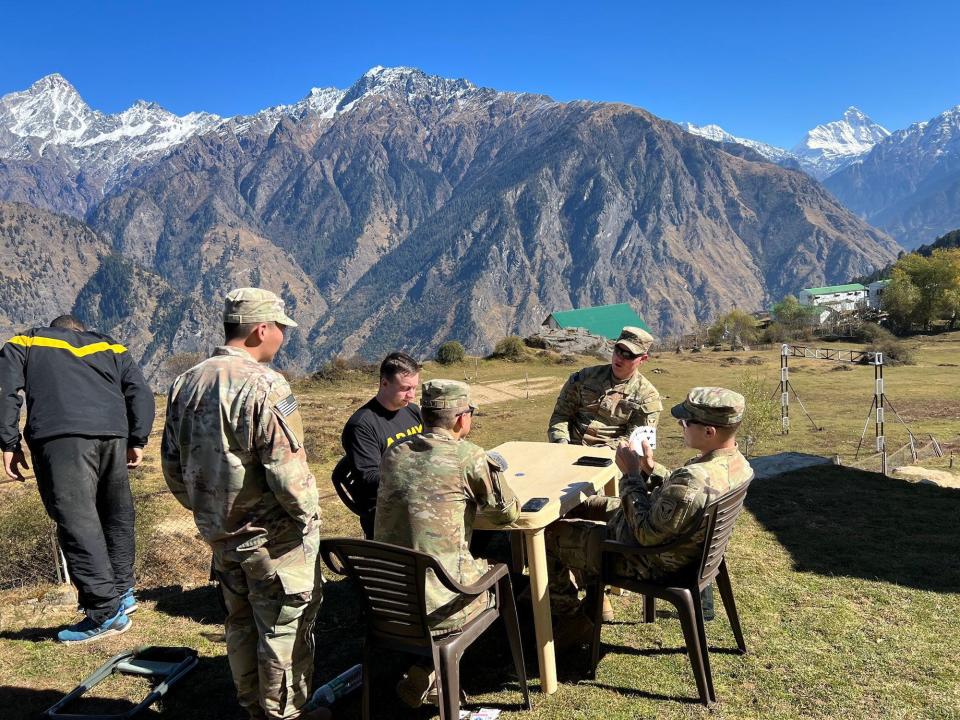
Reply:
x=848 y=583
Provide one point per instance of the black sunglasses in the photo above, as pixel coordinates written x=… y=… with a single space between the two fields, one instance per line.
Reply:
x=625 y=354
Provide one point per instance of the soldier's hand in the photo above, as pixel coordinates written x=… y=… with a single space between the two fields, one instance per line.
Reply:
x=631 y=462
x=646 y=463
x=627 y=459
x=134 y=457
x=11 y=461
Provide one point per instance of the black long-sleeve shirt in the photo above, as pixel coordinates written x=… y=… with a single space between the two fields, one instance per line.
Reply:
x=76 y=383
x=367 y=435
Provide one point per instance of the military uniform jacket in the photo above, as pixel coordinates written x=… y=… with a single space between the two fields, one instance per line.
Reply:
x=594 y=408
x=431 y=487
x=232 y=452
x=672 y=507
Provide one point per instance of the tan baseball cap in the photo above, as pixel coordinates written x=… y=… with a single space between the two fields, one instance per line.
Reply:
x=715 y=406
x=442 y=394
x=254 y=305
x=636 y=340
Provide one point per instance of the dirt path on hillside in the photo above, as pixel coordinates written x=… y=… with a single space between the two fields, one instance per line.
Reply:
x=498 y=392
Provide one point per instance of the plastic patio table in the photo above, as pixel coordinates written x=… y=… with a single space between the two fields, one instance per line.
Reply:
x=540 y=469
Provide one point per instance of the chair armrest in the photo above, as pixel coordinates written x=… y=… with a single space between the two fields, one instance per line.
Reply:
x=620 y=548
x=486 y=581
x=330 y=558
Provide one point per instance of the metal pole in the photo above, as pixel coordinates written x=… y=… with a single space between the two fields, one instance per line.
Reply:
x=784 y=390
x=878 y=397
x=57 y=556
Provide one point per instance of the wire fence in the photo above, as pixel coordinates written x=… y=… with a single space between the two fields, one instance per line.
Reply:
x=169 y=549
x=910 y=454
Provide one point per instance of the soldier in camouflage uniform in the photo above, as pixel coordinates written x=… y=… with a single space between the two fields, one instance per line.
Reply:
x=655 y=504
x=232 y=453
x=601 y=404
x=432 y=486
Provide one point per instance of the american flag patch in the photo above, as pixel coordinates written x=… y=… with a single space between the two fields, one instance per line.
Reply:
x=287 y=406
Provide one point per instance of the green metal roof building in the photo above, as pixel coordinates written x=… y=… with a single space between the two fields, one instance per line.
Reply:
x=604 y=320
x=833 y=289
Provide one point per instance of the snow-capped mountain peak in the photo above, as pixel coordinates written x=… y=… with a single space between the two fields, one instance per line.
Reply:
x=406 y=82
x=718 y=134
x=50 y=110
x=828 y=147
x=52 y=116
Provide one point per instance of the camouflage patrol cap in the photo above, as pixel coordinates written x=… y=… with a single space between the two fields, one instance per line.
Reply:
x=715 y=406
x=636 y=340
x=445 y=395
x=254 y=305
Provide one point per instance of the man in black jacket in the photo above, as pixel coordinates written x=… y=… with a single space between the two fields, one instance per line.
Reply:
x=89 y=412
x=389 y=417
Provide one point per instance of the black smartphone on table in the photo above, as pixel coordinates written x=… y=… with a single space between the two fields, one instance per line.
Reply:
x=593 y=461
x=534 y=504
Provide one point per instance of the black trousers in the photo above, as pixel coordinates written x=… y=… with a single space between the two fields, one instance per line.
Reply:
x=85 y=489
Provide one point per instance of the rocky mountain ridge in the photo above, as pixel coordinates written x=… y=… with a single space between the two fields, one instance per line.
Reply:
x=410 y=209
x=909 y=184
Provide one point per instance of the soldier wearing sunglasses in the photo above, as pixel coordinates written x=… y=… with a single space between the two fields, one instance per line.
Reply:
x=599 y=405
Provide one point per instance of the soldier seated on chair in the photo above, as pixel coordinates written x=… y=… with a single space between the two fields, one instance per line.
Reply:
x=655 y=506
x=431 y=488
x=602 y=404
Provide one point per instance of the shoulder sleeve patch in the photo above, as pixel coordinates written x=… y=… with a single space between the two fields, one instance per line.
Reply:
x=287 y=406
x=496 y=460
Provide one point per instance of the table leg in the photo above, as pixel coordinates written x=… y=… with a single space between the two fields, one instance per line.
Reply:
x=610 y=489
x=542 y=622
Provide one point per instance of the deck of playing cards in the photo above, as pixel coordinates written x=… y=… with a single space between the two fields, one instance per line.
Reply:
x=644 y=432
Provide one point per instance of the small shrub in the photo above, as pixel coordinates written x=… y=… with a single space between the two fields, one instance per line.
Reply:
x=879 y=339
x=338 y=369
x=761 y=419
x=450 y=352
x=510 y=348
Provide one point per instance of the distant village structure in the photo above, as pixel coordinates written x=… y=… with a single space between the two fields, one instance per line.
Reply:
x=836 y=297
x=839 y=303
x=852 y=296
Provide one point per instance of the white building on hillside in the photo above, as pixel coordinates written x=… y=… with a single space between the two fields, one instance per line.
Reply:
x=876 y=289
x=836 y=297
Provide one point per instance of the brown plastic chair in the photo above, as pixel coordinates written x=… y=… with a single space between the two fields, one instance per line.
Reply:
x=682 y=589
x=343 y=481
x=392 y=583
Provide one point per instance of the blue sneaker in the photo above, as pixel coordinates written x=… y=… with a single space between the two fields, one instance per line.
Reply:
x=128 y=602
x=87 y=630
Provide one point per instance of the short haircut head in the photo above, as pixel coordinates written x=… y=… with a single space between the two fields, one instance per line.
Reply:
x=68 y=322
x=238 y=331
x=398 y=363
x=444 y=418
x=725 y=432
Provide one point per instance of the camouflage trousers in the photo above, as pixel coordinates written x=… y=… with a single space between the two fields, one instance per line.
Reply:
x=272 y=604
x=573 y=551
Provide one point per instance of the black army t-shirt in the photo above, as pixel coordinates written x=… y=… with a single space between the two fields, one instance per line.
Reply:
x=367 y=435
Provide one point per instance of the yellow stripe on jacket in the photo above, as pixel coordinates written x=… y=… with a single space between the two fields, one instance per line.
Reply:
x=63 y=345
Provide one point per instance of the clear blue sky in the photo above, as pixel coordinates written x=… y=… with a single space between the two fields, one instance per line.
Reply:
x=765 y=70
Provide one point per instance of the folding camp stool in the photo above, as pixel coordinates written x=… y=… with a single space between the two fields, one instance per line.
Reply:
x=166 y=664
